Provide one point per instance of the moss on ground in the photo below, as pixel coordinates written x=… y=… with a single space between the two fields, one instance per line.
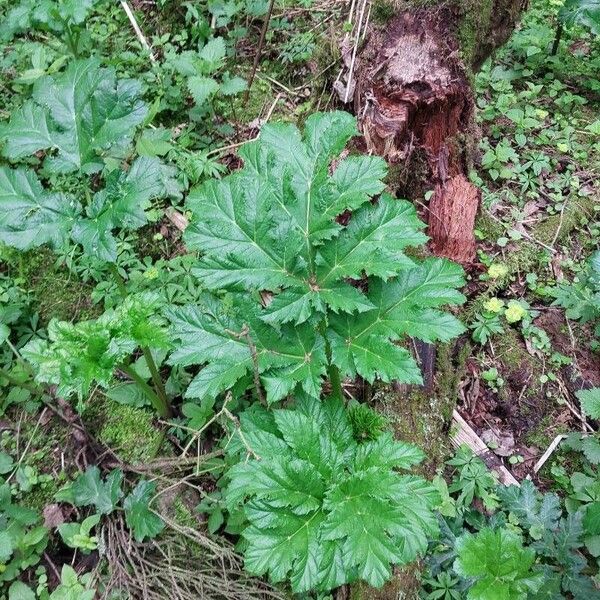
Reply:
x=45 y=444
x=405 y=585
x=127 y=430
x=55 y=291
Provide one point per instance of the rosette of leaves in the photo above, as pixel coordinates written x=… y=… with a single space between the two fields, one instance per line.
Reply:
x=271 y=236
x=322 y=508
x=77 y=355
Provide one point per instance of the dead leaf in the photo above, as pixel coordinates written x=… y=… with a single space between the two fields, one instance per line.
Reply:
x=501 y=443
x=53 y=516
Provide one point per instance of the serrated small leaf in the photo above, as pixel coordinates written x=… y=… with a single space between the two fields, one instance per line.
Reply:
x=154 y=142
x=202 y=88
x=138 y=515
x=213 y=54
x=89 y=489
x=19 y=591
x=6 y=546
x=590 y=402
x=232 y=86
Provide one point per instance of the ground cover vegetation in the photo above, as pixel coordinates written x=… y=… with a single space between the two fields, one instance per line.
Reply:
x=216 y=314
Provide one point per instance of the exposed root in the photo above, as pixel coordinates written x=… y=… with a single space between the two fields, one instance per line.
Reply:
x=183 y=565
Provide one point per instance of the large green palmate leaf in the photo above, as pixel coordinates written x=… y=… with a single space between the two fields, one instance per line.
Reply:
x=499 y=562
x=582 y=12
x=273 y=227
x=322 y=509
x=30 y=216
x=81 y=116
x=404 y=306
x=292 y=356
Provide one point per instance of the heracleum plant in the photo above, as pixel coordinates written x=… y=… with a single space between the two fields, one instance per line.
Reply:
x=293 y=313
x=83 y=120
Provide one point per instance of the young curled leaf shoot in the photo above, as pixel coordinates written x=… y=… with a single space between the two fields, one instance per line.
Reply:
x=308 y=297
x=78 y=355
x=322 y=508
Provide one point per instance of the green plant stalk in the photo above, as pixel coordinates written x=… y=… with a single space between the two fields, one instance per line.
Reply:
x=156 y=379
x=335 y=380
x=159 y=404
x=159 y=387
x=118 y=279
x=332 y=371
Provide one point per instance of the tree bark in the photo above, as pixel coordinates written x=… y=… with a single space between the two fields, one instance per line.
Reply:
x=415 y=103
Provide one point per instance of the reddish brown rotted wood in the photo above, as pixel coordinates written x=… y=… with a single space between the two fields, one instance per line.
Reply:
x=413 y=97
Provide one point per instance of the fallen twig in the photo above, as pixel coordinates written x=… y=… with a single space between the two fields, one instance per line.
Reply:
x=140 y=35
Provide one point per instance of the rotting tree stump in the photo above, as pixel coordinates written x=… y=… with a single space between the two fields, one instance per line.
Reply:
x=415 y=103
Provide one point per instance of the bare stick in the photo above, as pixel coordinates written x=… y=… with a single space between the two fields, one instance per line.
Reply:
x=354 y=50
x=540 y=463
x=261 y=41
x=137 y=30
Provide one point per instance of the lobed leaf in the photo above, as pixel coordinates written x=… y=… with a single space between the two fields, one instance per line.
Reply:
x=323 y=509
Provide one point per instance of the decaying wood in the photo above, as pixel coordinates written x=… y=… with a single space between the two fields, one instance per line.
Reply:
x=414 y=98
x=464 y=435
x=416 y=108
